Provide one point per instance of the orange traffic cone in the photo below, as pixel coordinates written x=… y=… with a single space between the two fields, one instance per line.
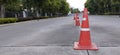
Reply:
x=76 y=13
x=85 y=40
x=75 y=17
x=85 y=13
x=77 y=21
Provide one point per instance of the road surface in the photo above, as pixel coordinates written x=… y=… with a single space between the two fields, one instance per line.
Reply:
x=38 y=37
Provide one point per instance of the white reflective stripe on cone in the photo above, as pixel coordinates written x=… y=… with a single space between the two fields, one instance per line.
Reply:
x=85 y=29
x=84 y=19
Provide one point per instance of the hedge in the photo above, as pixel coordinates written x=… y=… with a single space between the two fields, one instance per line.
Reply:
x=33 y=18
x=8 y=20
x=13 y=20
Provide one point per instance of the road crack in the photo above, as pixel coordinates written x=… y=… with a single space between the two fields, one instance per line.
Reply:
x=88 y=52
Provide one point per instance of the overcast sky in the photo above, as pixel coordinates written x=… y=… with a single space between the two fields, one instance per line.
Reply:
x=77 y=3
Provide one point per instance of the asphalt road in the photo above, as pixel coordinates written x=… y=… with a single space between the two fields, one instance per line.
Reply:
x=60 y=32
x=56 y=31
x=105 y=30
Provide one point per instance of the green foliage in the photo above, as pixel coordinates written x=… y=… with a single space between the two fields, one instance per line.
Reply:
x=8 y=20
x=64 y=7
x=103 y=6
x=75 y=10
x=42 y=6
x=10 y=4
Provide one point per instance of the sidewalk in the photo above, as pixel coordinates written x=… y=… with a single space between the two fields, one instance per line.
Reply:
x=56 y=50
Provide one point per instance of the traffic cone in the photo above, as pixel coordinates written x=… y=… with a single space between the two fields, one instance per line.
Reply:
x=77 y=21
x=85 y=13
x=85 y=40
x=76 y=13
x=75 y=17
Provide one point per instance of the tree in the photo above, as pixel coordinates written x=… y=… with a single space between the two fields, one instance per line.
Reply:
x=7 y=3
x=64 y=7
x=34 y=6
x=103 y=6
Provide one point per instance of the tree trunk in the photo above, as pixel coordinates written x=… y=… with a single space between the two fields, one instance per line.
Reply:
x=24 y=14
x=2 y=11
x=46 y=14
x=51 y=14
x=37 y=13
x=40 y=14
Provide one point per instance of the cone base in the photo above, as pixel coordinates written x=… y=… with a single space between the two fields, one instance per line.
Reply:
x=77 y=23
x=78 y=47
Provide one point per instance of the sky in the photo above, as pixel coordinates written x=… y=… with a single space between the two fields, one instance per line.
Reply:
x=77 y=4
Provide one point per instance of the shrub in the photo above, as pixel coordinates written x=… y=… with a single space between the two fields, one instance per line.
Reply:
x=8 y=20
x=12 y=20
x=33 y=18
